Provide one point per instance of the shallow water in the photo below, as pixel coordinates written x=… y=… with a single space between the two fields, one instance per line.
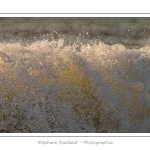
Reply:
x=58 y=84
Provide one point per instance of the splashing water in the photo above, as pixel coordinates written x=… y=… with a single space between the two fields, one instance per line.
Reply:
x=51 y=87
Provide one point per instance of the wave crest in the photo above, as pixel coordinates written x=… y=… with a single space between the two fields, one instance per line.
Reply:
x=47 y=86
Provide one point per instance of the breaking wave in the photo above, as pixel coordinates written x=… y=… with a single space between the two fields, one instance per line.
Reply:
x=47 y=86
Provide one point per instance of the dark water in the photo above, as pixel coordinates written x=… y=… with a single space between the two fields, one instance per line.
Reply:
x=131 y=32
x=74 y=75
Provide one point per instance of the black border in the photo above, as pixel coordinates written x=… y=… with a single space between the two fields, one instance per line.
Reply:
x=74 y=136
x=78 y=13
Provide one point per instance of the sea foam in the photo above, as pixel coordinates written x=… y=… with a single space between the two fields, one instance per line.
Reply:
x=47 y=86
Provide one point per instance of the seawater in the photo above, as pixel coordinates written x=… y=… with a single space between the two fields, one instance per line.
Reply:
x=47 y=86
